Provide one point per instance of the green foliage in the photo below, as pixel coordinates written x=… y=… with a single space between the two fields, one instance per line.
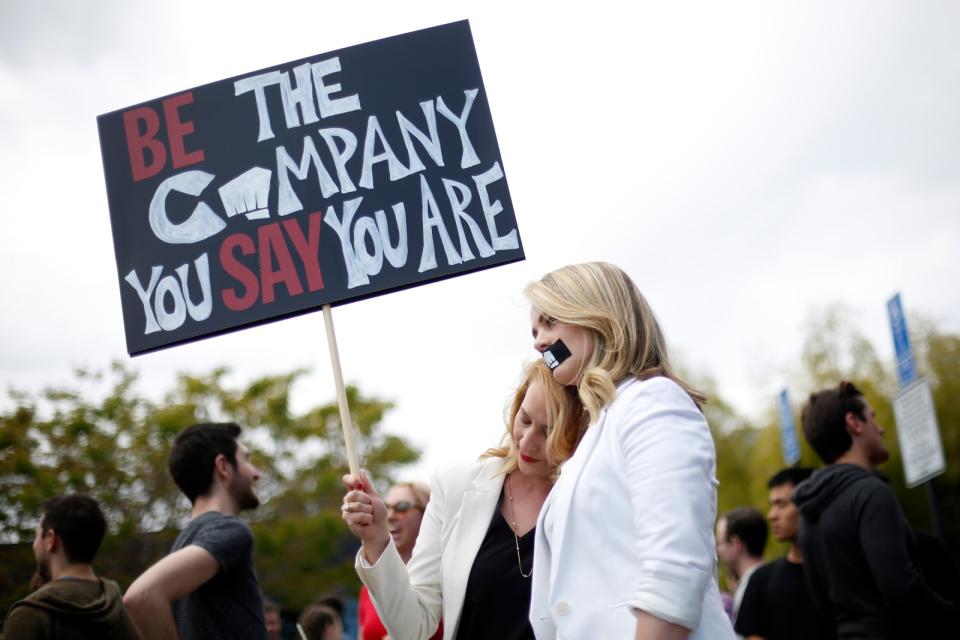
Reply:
x=105 y=439
x=833 y=350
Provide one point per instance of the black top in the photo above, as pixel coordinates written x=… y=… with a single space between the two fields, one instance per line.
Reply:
x=497 y=600
x=860 y=558
x=777 y=606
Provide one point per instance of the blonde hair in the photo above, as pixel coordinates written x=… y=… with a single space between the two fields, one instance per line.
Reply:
x=566 y=419
x=420 y=491
x=627 y=339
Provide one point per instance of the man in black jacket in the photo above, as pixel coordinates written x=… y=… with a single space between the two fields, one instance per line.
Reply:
x=859 y=553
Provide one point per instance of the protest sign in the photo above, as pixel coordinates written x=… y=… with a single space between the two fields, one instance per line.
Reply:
x=316 y=182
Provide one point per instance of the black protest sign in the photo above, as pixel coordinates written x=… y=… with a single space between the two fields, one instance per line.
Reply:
x=320 y=181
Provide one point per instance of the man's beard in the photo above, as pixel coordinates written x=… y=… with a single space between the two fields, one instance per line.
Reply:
x=248 y=500
x=41 y=576
x=245 y=497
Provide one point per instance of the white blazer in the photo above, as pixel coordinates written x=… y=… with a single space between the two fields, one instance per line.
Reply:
x=410 y=599
x=631 y=523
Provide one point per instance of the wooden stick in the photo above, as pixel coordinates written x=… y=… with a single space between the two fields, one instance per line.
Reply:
x=345 y=420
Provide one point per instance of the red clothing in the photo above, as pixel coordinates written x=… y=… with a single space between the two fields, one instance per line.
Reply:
x=369 y=622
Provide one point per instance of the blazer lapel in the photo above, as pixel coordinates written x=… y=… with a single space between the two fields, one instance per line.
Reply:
x=570 y=476
x=567 y=483
x=476 y=509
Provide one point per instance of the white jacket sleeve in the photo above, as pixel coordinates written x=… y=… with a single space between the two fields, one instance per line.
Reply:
x=408 y=598
x=670 y=461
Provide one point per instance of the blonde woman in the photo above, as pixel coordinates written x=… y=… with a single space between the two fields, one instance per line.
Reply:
x=624 y=545
x=473 y=559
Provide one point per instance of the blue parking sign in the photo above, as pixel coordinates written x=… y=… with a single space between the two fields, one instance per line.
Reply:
x=906 y=368
x=788 y=431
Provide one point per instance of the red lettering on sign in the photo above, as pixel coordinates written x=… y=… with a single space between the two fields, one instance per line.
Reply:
x=138 y=143
x=178 y=129
x=272 y=245
x=308 y=249
x=275 y=262
x=238 y=270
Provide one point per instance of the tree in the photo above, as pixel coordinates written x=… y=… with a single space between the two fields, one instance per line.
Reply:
x=103 y=438
x=833 y=350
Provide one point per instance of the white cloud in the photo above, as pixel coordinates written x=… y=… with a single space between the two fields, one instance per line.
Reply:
x=744 y=162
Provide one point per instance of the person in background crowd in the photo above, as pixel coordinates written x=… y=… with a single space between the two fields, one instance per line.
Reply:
x=624 y=544
x=72 y=603
x=741 y=538
x=337 y=603
x=319 y=622
x=777 y=604
x=474 y=557
x=207 y=586
x=272 y=619
x=859 y=553
x=405 y=503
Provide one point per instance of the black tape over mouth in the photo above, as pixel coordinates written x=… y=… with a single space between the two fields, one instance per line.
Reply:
x=556 y=354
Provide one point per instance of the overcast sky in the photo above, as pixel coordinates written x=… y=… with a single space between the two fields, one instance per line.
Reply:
x=746 y=163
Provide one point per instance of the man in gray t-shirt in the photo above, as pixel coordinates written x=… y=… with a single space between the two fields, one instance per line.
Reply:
x=229 y=604
x=206 y=587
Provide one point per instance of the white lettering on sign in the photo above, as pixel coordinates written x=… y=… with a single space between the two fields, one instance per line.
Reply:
x=341 y=156
x=288 y=202
x=469 y=157
x=247 y=194
x=429 y=140
x=159 y=290
x=492 y=209
x=300 y=96
x=257 y=84
x=201 y=224
x=458 y=194
x=433 y=222
x=342 y=144
x=371 y=157
x=312 y=87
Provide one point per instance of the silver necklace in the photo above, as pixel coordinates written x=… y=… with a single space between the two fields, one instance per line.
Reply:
x=513 y=530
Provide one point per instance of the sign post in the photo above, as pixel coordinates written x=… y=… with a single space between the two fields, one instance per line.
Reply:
x=346 y=422
x=788 y=431
x=915 y=414
x=305 y=185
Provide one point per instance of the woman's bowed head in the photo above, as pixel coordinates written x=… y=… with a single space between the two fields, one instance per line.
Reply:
x=544 y=421
x=596 y=318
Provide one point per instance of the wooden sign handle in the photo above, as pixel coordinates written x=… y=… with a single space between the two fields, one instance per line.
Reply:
x=345 y=421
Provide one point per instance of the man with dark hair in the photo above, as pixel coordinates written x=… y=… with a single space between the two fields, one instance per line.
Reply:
x=859 y=553
x=777 y=604
x=741 y=537
x=73 y=602
x=207 y=586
